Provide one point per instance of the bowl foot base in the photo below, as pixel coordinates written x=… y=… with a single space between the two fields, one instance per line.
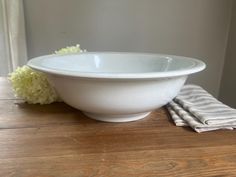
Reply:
x=117 y=118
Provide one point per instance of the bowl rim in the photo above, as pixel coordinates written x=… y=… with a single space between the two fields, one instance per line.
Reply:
x=197 y=67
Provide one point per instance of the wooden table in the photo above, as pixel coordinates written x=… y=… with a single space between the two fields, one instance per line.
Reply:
x=56 y=140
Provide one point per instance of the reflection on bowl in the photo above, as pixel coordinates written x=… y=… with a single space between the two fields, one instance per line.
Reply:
x=116 y=87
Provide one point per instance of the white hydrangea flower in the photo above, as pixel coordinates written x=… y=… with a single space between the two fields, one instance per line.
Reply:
x=69 y=50
x=33 y=86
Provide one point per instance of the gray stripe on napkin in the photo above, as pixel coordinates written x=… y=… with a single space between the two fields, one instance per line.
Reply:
x=197 y=108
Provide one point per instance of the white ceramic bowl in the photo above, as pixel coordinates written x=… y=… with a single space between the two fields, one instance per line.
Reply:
x=116 y=87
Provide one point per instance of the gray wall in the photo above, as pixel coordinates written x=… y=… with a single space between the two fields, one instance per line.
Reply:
x=228 y=83
x=194 y=28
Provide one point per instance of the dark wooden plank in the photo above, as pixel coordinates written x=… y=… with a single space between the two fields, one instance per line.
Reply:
x=103 y=138
x=170 y=162
x=17 y=114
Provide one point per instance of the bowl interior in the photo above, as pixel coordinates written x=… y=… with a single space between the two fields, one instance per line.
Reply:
x=114 y=63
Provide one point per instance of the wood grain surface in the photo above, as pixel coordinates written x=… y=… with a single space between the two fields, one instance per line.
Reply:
x=58 y=141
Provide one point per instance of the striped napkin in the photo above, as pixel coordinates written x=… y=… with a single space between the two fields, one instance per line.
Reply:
x=196 y=108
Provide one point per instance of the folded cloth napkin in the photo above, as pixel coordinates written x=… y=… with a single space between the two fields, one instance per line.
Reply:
x=196 y=108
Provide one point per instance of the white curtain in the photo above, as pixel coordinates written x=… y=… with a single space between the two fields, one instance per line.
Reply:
x=12 y=36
